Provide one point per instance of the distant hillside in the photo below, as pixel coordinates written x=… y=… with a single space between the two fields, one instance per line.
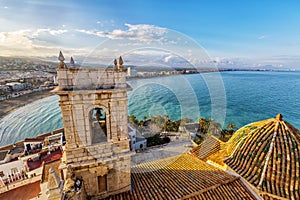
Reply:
x=26 y=64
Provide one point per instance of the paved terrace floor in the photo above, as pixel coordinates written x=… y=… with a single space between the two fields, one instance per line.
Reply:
x=175 y=147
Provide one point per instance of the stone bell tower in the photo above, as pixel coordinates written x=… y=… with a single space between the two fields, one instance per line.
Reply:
x=94 y=111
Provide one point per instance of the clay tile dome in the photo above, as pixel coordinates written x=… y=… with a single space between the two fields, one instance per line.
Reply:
x=267 y=156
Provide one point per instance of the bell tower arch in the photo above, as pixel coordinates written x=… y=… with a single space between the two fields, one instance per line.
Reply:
x=94 y=111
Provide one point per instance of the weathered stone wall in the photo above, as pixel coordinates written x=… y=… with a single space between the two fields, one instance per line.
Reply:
x=75 y=78
x=76 y=108
x=98 y=152
x=117 y=172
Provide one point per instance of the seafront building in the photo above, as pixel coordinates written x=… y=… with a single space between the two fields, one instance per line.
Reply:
x=96 y=161
x=260 y=161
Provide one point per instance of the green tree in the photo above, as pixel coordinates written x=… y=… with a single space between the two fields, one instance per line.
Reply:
x=145 y=118
x=225 y=135
x=231 y=126
x=132 y=120
x=203 y=125
x=198 y=141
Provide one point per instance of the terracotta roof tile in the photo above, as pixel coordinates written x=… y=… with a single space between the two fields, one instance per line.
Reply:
x=210 y=149
x=183 y=176
x=269 y=159
x=235 y=141
x=25 y=192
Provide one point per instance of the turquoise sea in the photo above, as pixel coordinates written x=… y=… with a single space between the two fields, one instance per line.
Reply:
x=238 y=97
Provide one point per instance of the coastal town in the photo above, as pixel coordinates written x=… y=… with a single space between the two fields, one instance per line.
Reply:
x=105 y=156
x=20 y=76
x=149 y=100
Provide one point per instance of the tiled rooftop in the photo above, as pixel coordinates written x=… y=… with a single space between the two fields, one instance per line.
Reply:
x=185 y=177
x=265 y=153
x=268 y=158
x=209 y=149
x=215 y=150
x=240 y=134
x=25 y=192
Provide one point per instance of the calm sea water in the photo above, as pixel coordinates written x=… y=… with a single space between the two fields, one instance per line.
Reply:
x=227 y=97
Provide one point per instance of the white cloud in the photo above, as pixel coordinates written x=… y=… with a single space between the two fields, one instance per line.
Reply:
x=263 y=37
x=50 y=31
x=140 y=32
x=150 y=52
x=218 y=60
x=168 y=58
x=15 y=38
x=23 y=42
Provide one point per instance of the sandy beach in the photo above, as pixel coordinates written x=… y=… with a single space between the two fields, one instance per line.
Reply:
x=10 y=105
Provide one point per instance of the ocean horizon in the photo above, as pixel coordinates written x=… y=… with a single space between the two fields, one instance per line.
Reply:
x=238 y=97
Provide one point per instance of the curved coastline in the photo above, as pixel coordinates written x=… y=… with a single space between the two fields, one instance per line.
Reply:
x=266 y=89
x=9 y=105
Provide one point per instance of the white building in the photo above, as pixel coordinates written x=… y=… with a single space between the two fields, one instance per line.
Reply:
x=11 y=171
x=137 y=141
x=16 y=86
x=131 y=72
x=33 y=145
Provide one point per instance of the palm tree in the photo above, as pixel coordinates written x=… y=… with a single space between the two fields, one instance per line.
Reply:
x=203 y=125
x=132 y=119
x=231 y=126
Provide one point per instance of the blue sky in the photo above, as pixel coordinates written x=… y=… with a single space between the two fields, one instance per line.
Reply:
x=235 y=32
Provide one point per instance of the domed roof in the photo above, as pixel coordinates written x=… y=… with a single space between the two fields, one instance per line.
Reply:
x=236 y=139
x=267 y=156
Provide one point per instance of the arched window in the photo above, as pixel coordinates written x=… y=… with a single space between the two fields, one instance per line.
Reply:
x=98 y=125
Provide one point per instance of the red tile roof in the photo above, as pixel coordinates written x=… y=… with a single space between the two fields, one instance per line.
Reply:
x=45 y=157
x=25 y=192
x=185 y=177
